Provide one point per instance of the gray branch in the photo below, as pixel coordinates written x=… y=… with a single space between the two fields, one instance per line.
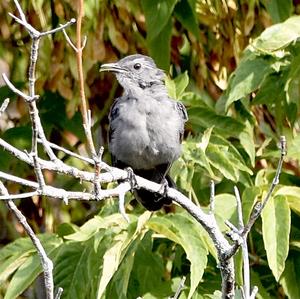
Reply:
x=47 y=264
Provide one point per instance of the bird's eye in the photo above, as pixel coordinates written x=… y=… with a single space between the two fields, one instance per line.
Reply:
x=137 y=66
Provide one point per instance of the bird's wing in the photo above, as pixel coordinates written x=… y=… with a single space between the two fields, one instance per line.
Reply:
x=113 y=114
x=184 y=116
x=182 y=110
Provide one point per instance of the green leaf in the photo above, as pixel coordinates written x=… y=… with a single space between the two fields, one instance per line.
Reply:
x=31 y=268
x=292 y=84
x=157 y=14
x=159 y=27
x=271 y=89
x=278 y=36
x=276 y=225
x=249 y=199
x=294 y=148
x=71 y=271
x=24 y=277
x=279 y=10
x=120 y=281
x=218 y=157
x=248 y=77
x=290 y=277
x=225 y=209
x=148 y=272
x=207 y=117
x=293 y=196
x=159 y=47
x=247 y=141
x=118 y=249
x=185 y=232
x=177 y=86
x=181 y=83
x=185 y=12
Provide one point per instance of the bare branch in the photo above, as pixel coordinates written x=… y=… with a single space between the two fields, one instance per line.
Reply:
x=123 y=188
x=254 y=292
x=212 y=197
x=26 y=97
x=68 y=152
x=246 y=266
x=179 y=289
x=69 y=41
x=84 y=108
x=4 y=105
x=18 y=196
x=21 y=13
x=59 y=293
x=259 y=207
x=60 y=28
x=47 y=264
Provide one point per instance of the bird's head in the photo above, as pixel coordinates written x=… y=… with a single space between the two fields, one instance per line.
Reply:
x=136 y=72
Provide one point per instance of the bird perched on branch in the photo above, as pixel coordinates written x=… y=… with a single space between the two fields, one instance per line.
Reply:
x=146 y=125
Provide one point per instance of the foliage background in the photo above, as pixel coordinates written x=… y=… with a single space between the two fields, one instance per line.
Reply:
x=236 y=66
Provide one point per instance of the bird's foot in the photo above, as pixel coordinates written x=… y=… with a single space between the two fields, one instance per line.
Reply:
x=163 y=189
x=131 y=178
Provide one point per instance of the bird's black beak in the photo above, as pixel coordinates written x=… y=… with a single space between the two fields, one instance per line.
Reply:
x=111 y=67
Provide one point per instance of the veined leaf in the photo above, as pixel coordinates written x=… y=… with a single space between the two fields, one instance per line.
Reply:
x=278 y=36
x=248 y=77
x=157 y=14
x=177 y=86
x=293 y=196
x=71 y=271
x=185 y=13
x=279 y=10
x=290 y=277
x=159 y=47
x=118 y=249
x=185 y=232
x=31 y=267
x=276 y=225
x=207 y=118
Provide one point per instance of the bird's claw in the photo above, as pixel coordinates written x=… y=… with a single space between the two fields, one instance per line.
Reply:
x=131 y=178
x=163 y=189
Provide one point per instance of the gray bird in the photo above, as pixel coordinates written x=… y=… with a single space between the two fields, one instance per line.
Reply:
x=146 y=125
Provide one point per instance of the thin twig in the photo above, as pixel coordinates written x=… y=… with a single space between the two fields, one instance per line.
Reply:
x=84 y=110
x=59 y=293
x=212 y=197
x=97 y=162
x=68 y=39
x=4 y=105
x=47 y=264
x=254 y=292
x=179 y=289
x=244 y=246
x=123 y=188
x=26 y=97
x=60 y=28
x=19 y=196
x=259 y=207
x=70 y=153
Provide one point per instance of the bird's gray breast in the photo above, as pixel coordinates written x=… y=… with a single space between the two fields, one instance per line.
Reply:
x=145 y=132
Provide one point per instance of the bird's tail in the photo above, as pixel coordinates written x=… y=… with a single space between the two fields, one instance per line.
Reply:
x=154 y=201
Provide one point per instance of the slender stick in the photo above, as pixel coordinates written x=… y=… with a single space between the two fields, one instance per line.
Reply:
x=84 y=110
x=46 y=263
x=179 y=289
x=246 y=266
x=4 y=105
